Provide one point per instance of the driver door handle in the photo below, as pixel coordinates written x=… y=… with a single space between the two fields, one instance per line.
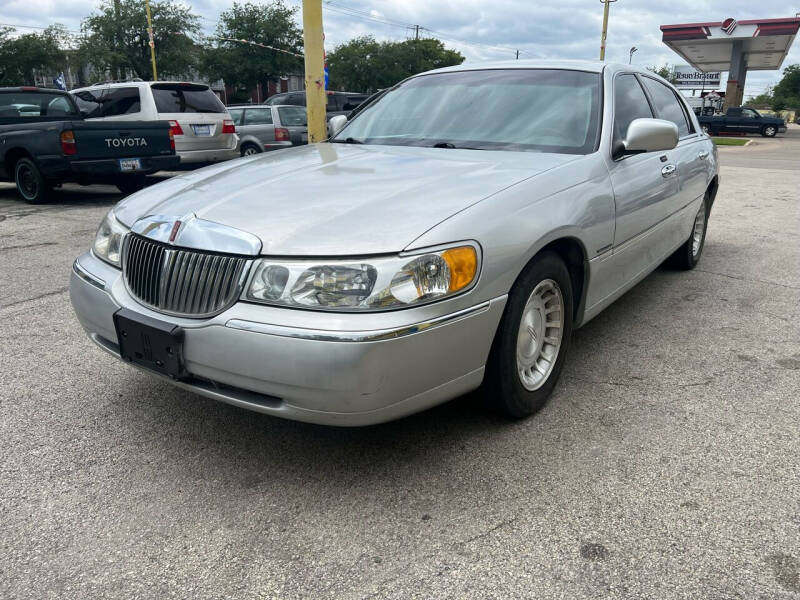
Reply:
x=703 y=155
x=668 y=170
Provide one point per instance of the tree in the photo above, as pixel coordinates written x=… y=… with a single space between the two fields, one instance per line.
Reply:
x=665 y=71
x=21 y=56
x=762 y=100
x=244 y=65
x=116 y=39
x=365 y=65
x=787 y=92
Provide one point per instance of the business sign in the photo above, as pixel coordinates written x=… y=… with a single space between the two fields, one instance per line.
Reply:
x=689 y=77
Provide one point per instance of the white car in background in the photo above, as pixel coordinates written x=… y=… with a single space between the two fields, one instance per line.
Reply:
x=203 y=128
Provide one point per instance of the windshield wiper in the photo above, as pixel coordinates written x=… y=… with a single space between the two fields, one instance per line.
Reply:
x=349 y=140
x=452 y=146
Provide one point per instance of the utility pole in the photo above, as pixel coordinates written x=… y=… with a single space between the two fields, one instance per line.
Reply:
x=315 y=70
x=416 y=33
x=605 y=28
x=117 y=40
x=152 y=42
x=517 y=54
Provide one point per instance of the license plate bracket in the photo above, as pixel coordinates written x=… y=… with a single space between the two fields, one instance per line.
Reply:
x=130 y=164
x=201 y=130
x=150 y=343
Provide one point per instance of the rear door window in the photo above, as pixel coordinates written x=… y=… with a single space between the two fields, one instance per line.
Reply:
x=120 y=101
x=297 y=99
x=258 y=116
x=186 y=98
x=236 y=115
x=667 y=105
x=630 y=103
x=90 y=102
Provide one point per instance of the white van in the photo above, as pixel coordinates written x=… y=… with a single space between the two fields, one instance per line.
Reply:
x=203 y=129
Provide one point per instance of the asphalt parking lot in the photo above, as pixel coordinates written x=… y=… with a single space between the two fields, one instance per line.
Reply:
x=667 y=464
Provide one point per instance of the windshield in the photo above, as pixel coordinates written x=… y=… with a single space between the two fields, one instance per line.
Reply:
x=523 y=110
x=293 y=116
x=36 y=104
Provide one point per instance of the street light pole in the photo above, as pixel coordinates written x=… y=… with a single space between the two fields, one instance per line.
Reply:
x=152 y=42
x=630 y=54
x=315 y=70
x=605 y=28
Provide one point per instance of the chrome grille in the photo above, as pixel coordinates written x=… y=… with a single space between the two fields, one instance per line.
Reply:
x=179 y=281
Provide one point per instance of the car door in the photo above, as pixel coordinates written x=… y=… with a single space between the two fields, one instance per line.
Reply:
x=690 y=156
x=645 y=188
x=258 y=123
x=750 y=121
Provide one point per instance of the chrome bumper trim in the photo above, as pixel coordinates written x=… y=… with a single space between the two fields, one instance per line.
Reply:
x=374 y=335
x=87 y=277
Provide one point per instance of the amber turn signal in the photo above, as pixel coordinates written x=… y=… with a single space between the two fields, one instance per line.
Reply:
x=463 y=263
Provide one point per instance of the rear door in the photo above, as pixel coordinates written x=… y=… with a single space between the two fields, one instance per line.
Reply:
x=257 y=122
x=199 y=113
x=645 y=187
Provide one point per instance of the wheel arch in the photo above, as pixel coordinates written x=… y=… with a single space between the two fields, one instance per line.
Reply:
x=573 y=252
x=12 y=156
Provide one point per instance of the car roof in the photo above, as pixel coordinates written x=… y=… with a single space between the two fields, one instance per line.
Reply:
x=32 y=89
x=592 y=66
x=114 y=84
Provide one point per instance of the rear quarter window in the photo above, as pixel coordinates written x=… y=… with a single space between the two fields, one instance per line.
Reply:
x=186 y=98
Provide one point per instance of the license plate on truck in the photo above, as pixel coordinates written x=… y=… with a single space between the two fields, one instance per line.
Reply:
x=130 y=164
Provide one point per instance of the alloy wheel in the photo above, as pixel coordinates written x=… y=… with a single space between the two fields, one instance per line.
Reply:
x=699 y=230
x=540 y=334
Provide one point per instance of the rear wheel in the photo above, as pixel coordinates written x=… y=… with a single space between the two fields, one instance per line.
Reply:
x=769 y=131
x=250 y=150
x=688 y=255
x=31 y=184
x=128 y=184
x=533 y=338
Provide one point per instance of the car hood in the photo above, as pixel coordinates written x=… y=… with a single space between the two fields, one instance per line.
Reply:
x=338 y=199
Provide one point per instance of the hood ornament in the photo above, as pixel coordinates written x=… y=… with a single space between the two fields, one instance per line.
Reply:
x=188 y=231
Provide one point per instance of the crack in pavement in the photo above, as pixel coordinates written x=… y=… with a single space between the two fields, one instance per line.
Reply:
x=791 y=287
x=45 y=295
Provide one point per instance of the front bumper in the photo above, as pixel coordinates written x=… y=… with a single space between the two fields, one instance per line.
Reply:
x=327 y=368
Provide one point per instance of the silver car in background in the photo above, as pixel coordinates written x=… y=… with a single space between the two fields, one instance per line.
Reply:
x=262 y=128
x=452 y=235
x=203 y=129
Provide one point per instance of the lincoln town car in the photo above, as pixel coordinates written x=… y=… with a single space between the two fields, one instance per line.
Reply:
x=451 y=236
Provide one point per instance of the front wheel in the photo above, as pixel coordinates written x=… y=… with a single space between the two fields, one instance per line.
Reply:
x=769 y=131
x=31 y=184
x=533 y=338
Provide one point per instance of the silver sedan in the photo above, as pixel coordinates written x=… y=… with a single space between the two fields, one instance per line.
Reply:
x=451 y=236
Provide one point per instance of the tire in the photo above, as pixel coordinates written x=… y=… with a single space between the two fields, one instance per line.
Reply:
x=512 y=387
x=129 y=184
x=769 y=131
x=688 y=255
x=30 y=182
x=250 y=150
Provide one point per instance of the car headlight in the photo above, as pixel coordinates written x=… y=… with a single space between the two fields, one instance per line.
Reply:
x=369 y=284
x=108 y=240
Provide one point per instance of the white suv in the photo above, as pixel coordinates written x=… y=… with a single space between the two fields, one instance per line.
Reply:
x=203 y=129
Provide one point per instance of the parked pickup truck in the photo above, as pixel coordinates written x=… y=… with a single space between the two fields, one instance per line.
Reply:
x=45 y=141
x=742 y=120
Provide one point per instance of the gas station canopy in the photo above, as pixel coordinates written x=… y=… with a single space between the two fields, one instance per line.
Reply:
x=710 y=46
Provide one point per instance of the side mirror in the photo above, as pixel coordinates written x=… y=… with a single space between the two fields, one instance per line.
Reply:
x=336 y=124
x=648 y=135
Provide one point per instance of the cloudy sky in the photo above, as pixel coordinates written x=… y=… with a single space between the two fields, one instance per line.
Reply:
x=485 y=29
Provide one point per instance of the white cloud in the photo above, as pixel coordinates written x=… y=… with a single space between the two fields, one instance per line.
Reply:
x=494 y=29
